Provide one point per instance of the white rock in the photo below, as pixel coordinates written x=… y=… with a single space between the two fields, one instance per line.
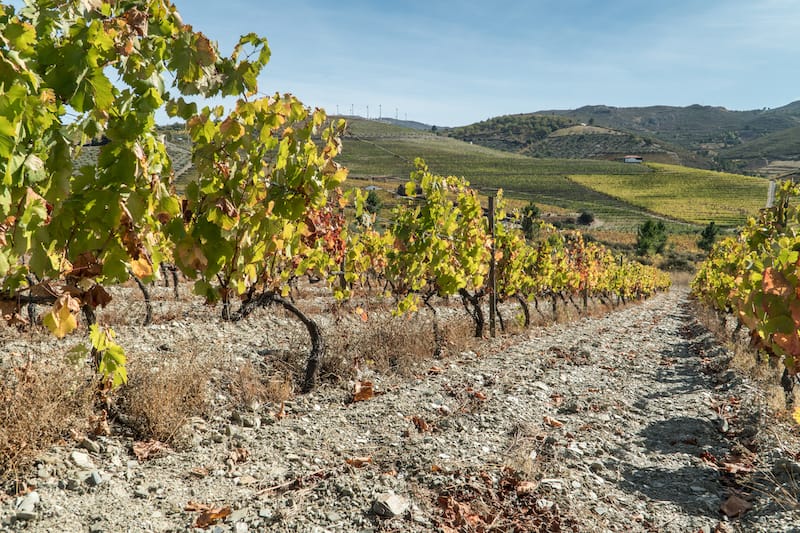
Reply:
x=389 y=504
x=82 y=460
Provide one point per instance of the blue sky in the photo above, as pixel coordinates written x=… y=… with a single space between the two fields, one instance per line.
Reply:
x=454 y=62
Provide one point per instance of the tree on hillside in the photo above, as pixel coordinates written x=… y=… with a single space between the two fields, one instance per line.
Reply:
x=708 y=236
x=651 y=238
x=373 y=202
x=586 y=218
x=528 y=220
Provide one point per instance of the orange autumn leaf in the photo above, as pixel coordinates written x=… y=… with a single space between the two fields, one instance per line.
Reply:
x=359 y=462
x=212 y=516
x=363 y=390
x=552 y=422
x=420 y=423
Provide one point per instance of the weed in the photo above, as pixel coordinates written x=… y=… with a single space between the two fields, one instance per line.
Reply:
x=162 y=395
x=39 y=405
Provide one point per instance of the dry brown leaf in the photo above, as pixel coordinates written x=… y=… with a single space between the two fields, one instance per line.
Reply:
x=148 y=450
x=238 y=455
x=552 y=422
x=358 y=462
x=193 y=506
x=363 y=390
x=435 y=370
x=526 y=487
x=362 y=314
x=281 y=414
x=735 y=468
x=478 y=395
x=199 y=471
x=735 y=506
x=436 y=468
x=420 y=423
x=212 y=516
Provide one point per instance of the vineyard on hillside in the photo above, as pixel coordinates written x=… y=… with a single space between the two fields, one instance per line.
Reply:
x=686 y=194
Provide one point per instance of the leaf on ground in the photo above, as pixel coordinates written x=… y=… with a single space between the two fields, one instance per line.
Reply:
x=237 y=456
x=358 y=462
x=363 y=390
x=420 y=423
x=435 y=370
x=362 y=314
x=150 y=449
x=526 y=487
x=212 y=516
x=552 y=422
x=193 y=506
x=735 y=506
x=735 y=468
x=281 y=414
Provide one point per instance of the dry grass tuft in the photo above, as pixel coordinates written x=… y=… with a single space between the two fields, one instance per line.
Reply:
x=250 y=387
x=39 y=405
x=388 y=344
x=162 y=395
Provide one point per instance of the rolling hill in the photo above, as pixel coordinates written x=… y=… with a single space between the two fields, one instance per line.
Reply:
x=383 y=155
x=699 y=136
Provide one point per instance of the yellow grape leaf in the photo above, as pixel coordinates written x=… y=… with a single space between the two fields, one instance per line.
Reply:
x=362 y=314
x=62 y=318
x=141 y=268
x=796 y=415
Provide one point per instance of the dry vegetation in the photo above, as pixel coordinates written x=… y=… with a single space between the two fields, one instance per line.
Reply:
x=40 y=404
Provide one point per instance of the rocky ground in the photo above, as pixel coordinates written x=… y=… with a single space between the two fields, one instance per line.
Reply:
x=627 y=422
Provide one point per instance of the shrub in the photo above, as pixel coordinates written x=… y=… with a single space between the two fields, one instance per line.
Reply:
x=586 y=218
x=708 y=236
x=373 y=203
x=651 y=238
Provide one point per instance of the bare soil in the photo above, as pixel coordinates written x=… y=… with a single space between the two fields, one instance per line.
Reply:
x=630 y=421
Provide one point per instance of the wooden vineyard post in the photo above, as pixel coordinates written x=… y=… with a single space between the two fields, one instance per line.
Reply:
x=492 y=281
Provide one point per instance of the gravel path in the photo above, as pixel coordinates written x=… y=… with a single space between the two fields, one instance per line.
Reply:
x=628 y=422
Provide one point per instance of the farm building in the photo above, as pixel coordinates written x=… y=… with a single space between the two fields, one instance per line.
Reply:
x=633 y=159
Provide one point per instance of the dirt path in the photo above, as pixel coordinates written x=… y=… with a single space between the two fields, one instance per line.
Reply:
x=619 y=423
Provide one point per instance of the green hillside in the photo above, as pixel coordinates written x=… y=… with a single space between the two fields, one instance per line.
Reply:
x=784 y=144
x=370 y=152
x=692 y=195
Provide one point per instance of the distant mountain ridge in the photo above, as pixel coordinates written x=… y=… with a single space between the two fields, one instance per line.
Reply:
x=696 y=135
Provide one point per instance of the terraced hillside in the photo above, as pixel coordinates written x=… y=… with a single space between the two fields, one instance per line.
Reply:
x=572 y=184
x=692 y=195
x=542 y=180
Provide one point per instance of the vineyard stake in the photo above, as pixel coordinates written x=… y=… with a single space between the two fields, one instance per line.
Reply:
x=492 y=284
